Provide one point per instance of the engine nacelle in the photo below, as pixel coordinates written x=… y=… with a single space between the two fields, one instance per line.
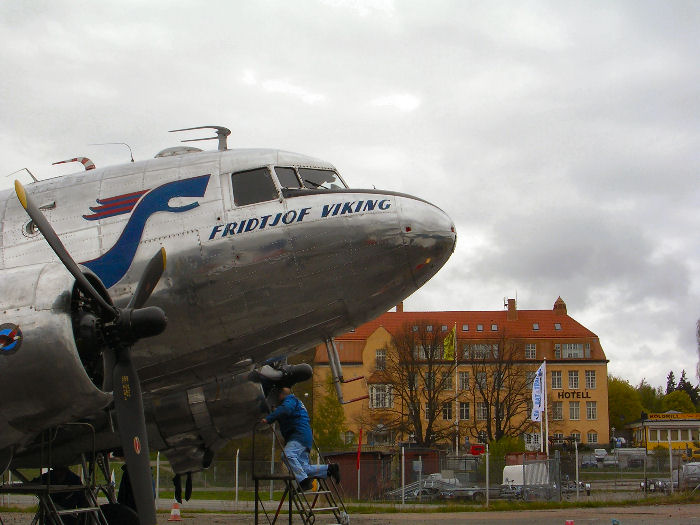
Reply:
x=194 y=424
x=42 y=379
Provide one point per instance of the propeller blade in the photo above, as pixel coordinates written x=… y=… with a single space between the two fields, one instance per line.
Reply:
x=133 y=437
x=149 y=280
x=57 y=246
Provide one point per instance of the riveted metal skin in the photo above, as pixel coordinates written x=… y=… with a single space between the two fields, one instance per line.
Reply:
x=253 y=282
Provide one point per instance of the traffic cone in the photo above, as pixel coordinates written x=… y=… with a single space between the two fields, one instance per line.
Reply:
x=175 y=512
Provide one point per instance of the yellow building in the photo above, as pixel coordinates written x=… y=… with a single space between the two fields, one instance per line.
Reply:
x=682 y=431
x=576 y=371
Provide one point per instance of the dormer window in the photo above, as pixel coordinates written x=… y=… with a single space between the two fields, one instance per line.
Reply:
x=444 y=328
x=557 y=326
x=465 y=328
x=535 y=326
x=429 y=328
x=480 y=328
x=494 y=328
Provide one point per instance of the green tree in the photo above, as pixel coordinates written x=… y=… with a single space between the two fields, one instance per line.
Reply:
x=329 y=423
x=692 y=391
x=679 y=401
x=650 y=397
x=624 y=404
x=670 y=382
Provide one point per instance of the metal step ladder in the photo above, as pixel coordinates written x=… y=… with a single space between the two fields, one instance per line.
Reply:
x=50 y=513
x=308 y=504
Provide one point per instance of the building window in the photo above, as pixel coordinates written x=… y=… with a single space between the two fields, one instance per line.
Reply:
x=444 y=328
x=556 y=379
x=430 y=381
x=465 y=328
x=480 y=328
x=535 y=326
x=447 y=383
x=428 y=412
x=576 y=436
x=591 y=410
x=482 y=412
x=464 y=381
x=447 y=411
x=590 y=379
x=429 y=328
x=481 y=379
x=482 y=436
x=349 y=437
x=380 y=360
x=494 y=328
x=573 y=379
x=531 y=351
x=574 y=410
x=592 y=437
x=557 y=351
x=412 y=381
x=572 y=350
x=557 y=410
x=558 y=437
x=557 y=326
x=463 y=410
x=480 y=351
x=380 y=396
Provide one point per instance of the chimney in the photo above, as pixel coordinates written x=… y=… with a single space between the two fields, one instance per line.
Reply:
x=512 y=310
x=559 y=306
x=399 y=308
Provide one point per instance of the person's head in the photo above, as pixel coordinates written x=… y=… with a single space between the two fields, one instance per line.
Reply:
x=283 y=392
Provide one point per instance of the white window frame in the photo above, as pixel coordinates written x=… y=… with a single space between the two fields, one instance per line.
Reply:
x=573 y=379
x=574 y=410
x=590 y=379
x=381 y=396
x=464 y=410
x=531 y=351
x=556 y=384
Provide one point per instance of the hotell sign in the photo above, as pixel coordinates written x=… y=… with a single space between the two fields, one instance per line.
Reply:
x=572 y=394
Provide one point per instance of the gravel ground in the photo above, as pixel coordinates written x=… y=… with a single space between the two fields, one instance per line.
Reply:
x=645 y=515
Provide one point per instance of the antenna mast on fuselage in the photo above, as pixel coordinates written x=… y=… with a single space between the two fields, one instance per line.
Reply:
x=221 y=134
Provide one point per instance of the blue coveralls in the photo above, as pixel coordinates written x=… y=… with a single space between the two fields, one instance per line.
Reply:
x=296 y=431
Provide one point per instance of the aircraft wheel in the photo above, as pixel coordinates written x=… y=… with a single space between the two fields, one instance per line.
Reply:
x=118 y=514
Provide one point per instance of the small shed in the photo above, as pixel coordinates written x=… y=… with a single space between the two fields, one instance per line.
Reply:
x=375 y=472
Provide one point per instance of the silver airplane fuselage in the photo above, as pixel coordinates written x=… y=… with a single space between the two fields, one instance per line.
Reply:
x=249 y=282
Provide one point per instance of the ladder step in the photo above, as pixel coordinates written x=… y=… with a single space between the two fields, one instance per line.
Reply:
x=321 y=509
x=77 y=511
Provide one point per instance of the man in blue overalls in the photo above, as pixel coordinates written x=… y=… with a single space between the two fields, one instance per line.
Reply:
x=296 y=431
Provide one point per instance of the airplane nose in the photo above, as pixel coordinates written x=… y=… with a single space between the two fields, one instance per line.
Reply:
x=429 y=236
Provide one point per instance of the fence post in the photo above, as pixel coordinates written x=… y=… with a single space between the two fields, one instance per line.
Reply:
x=487 y=475
x=403 y=475
x=238 y=450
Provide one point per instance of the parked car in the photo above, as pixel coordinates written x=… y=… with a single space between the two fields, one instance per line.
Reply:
x=600 y=454
x=588 y=462
x=690 y=476
x=610 y=461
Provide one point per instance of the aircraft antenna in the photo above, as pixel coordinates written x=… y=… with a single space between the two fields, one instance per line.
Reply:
x=27 y=169
x=221 y=134
x=87 y=163
x=111 y=143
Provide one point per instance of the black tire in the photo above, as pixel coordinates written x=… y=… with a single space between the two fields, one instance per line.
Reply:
x=118 y=514
x=478 y=496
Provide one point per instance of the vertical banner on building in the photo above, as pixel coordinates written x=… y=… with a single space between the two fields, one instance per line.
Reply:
x=448 y=344
x=538 y=403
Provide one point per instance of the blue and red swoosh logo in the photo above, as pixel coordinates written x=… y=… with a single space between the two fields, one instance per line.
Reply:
x=114 y=264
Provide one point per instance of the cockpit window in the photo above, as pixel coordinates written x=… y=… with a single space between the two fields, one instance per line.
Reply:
x=287 y=177
x=323 y=179
x=253 y=186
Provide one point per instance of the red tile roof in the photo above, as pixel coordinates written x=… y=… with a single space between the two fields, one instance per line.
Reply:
x=393 y=322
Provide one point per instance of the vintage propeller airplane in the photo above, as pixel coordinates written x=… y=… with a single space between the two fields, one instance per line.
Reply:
x=268 y=254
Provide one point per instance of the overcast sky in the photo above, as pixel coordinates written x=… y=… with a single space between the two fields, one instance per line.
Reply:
x=563 y=138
